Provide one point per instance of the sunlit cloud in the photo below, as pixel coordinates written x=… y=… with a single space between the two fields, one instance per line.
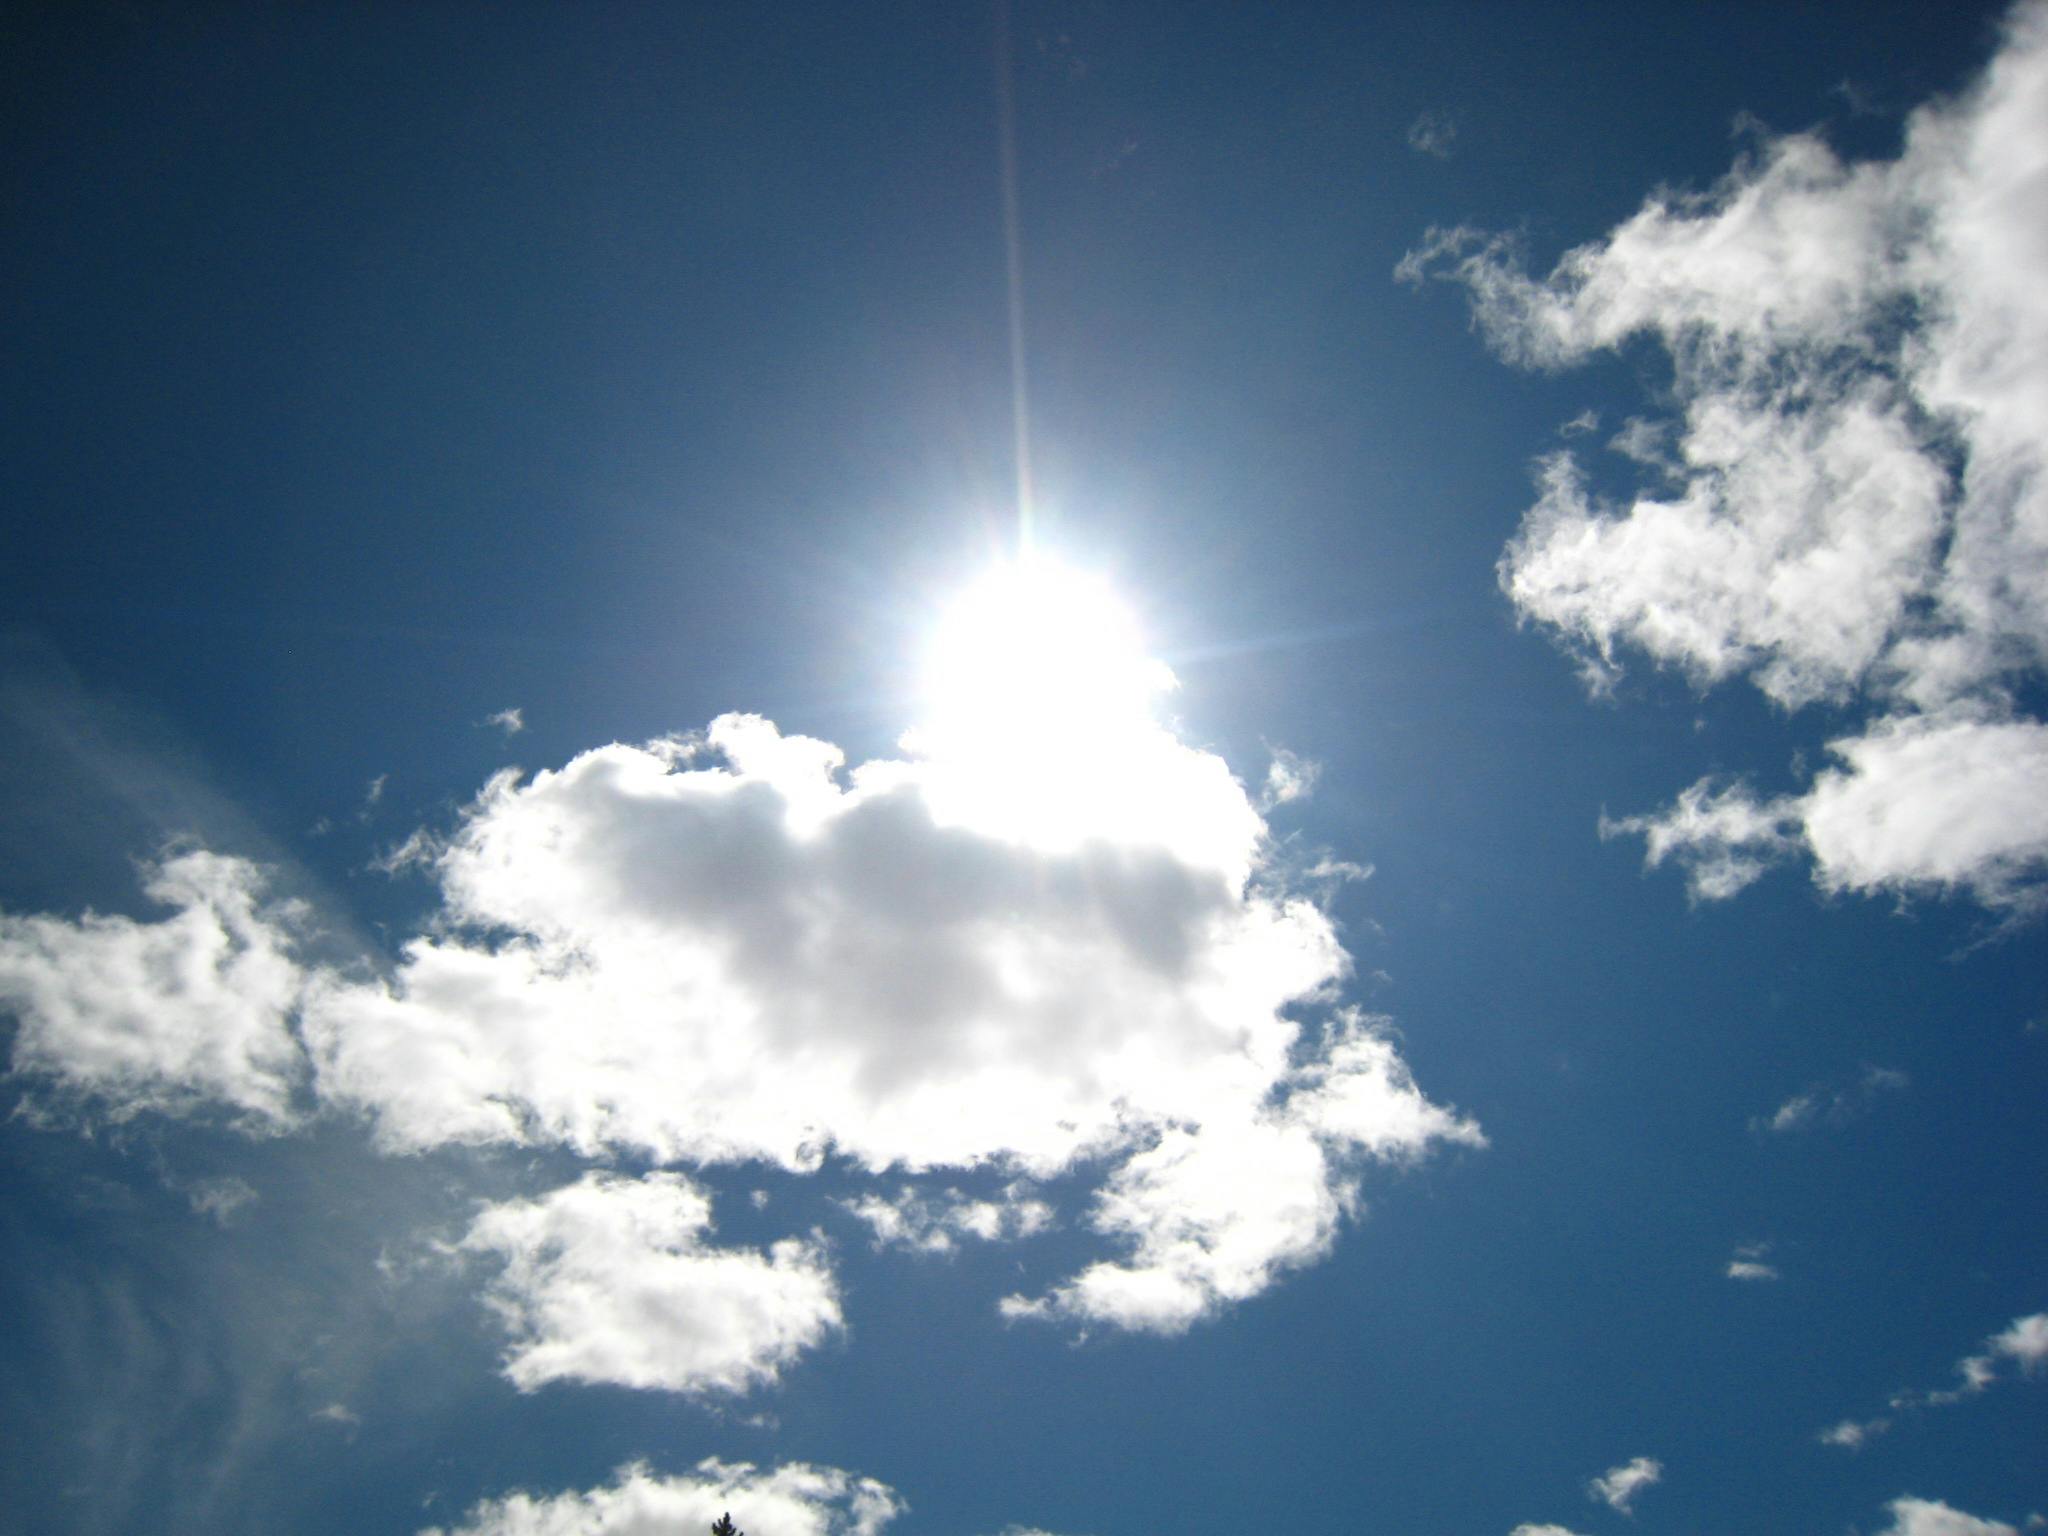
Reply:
x=612 y=1280
x=182 y=1014
x=797 y=1499
x=1051 y=936
x=1850 y=504
x=1931 y=1517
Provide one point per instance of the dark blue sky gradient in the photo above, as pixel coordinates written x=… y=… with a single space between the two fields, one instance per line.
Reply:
x=371 y=369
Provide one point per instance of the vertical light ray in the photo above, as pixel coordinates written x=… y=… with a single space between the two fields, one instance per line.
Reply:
x=1013 y=253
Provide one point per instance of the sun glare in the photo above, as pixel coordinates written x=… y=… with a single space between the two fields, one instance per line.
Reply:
x=1037 y=718
x=1036 y=649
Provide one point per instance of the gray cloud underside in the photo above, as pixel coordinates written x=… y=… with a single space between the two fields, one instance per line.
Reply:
x=724 y=949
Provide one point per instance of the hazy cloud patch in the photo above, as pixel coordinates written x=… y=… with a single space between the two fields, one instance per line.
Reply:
x=1619 y=1487
x=1832 y=1105
x=1748 y=1263
x=1434 y=134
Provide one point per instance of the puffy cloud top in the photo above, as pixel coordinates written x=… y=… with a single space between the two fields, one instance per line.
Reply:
x=1036 y=949
x=793 y=1500
x=610 y=1280
x=1857 y=504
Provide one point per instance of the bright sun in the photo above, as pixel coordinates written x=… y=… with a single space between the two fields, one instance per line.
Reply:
x=1036 y=717
x=1036 y=649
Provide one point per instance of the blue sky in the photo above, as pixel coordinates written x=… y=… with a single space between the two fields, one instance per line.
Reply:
x=587 y=937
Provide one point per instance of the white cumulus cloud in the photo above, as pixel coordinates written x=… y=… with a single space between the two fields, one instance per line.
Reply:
x=1853 y=508
x=793 y=1500
x=1931 y=1517
x=611 y=1280
x=170 y=1015
x=1048 y=939
x=1213 y=1213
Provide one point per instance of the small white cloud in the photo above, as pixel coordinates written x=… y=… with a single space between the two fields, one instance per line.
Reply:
x=1748 y=1263
x=2025 y=1341
x=610 y=1280
x=1645 y=441
x=1722 y=834
x=1289 y=777
x=1931 y=1517
x=1586 y=421
x=1541 y=1530
x=510 y=721
x=1433 y=134
x=419 y=851
x=338 y=1413
x=1618 y=1487
x=1853 y=1434
x=793 y=1500
x=1832 y=1106
x=375 y=793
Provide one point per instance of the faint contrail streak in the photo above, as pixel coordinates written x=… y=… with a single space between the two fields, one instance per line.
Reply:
x=1013 y=252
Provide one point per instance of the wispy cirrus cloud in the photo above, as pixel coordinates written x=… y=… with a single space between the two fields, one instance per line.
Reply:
x=2023 y=1344
x=1749 y=1263
x=1832 y=1105
x=1434 y=134
x=1854 y=507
